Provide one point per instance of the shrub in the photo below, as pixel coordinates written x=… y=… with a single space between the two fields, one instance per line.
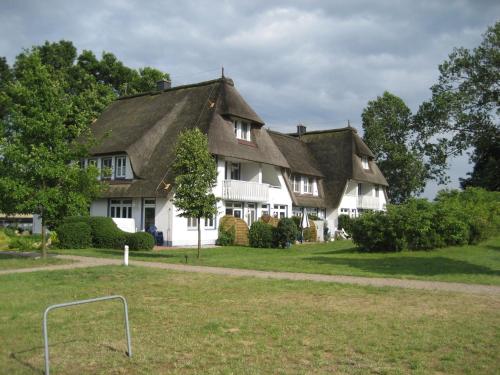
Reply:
x=105 y=233
x=140 y=241
x=268 y=219
x=286 y=232
x=345 y=222
x=24 y=243
x=9 y=232
x=260 y=234
x=375 y=231
x=74 y=235
x=311 y=233
x=227 y=233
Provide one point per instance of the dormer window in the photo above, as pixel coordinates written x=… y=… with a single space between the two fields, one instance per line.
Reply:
x=242 y=130
x=296 y=184
x=120 y=166
x=364 y=162
x=106 y=168
x=308 y=182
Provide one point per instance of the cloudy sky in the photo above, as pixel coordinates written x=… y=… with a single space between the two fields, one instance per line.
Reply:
x=314 y=62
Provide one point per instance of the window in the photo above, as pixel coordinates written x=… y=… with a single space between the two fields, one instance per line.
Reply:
x=360 y=189
x=377 y=191
x=120 y=166
x=235 y=171
x=235 y=209
x=120 y=208
x=106 y=167
x=210 y=222
x=279 y=211
x=296 y=184
x=149 y=212
x=92 y=162
x=242 y=130
x=81 y=163
x=265 y=210
x=364 y=162
x=308 y=182
x=192 y=222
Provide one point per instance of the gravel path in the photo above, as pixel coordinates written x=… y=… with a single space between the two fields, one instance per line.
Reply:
x=82 y=262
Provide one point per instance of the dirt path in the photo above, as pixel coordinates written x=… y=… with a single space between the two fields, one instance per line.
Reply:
x=82 y=262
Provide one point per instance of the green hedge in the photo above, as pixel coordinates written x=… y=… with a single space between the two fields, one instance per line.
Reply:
x=104 y=234
x=261 y=234
x=140 y=241
x=345 y=222
x=285 y=233
x=455 y=218
x=74 y=235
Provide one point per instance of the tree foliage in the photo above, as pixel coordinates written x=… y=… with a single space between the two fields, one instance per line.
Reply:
x=48 y=99
x=387 y=125
x=464 y=108
x=196 y=176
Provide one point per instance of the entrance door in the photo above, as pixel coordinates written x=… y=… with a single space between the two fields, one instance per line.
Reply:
x=251 y=213
x=149 y=213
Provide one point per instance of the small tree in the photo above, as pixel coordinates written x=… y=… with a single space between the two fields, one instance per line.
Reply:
x=196 y=176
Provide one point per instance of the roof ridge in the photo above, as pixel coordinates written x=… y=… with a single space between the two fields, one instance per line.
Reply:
x=188 y=86
x=294 y=135
x=282 y=134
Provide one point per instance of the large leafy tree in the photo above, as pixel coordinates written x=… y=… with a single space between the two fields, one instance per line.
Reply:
x=47 y=101
x=38 y=147
x=196 y=176
x=387 y=125
x=463 y=111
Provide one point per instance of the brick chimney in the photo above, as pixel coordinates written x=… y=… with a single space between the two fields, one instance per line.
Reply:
x=164 y=84
x=301 y=129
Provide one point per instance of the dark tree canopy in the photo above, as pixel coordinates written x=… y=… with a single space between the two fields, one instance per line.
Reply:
x=463 y=111
x=387 y=125
x=48 y=99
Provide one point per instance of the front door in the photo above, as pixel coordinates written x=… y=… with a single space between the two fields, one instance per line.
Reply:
x=149 y=213
x=251 y=213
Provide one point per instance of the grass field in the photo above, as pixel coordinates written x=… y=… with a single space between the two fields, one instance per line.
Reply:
x=8 y=262
x=478 y=264
x=186 y=323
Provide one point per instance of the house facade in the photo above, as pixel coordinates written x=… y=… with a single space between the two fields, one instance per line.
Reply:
x=259 y=171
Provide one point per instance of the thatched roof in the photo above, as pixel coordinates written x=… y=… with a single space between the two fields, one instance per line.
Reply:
x=146 y=126
x=338 y=154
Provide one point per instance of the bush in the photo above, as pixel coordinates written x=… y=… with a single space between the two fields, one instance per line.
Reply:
x=24 y=243
x=140 y=241
x=286 y=232
x=74 y=235
x=9 y=232
x=345 y=222
x=226 y=236
x=105 y=233
x=375 y=231
x=261 y=234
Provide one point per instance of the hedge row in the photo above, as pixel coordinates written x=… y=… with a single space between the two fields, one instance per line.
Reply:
x=264 y=235
x=455 y=218
x=80 y=232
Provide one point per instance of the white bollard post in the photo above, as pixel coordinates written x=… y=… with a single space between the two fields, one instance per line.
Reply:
x=125 y=256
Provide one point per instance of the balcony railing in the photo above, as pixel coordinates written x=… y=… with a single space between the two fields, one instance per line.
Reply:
x=367 y=202
x=245 y=191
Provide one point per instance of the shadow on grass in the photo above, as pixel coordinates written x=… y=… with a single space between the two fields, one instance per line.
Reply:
x=409 y=266
x=17 y=356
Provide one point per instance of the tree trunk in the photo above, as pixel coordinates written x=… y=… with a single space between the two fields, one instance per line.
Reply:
x=199 y=236
x=44 y=240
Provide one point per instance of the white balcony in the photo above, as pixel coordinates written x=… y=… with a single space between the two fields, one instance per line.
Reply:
x=236 y=190
x=368 y=202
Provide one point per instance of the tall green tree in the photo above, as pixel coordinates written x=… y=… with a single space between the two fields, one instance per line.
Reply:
x=38 y=147
x=196 y=176
x=387 y=125
x=463 y=111
x=48 y=99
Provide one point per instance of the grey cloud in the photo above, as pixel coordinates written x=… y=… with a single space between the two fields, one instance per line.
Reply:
x=317 y=62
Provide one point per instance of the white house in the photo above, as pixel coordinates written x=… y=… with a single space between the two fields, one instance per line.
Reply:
x=259 y=171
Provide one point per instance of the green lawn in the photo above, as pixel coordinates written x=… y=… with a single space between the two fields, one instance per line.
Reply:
x=8 y=261
x=185 y=323
x=478 y=264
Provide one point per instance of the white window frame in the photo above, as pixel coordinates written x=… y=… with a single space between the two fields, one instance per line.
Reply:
x=308 y=185
x=265 y=210
x=296 y=183
x=117 y=208
x=377 y=191
x=209 y=222
x=364 y=162
x=242 y=130
x=120 y=167
x=279 y=210
x=234 y=206
x=103 y=168
x=236 y=168
x=192 y=223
